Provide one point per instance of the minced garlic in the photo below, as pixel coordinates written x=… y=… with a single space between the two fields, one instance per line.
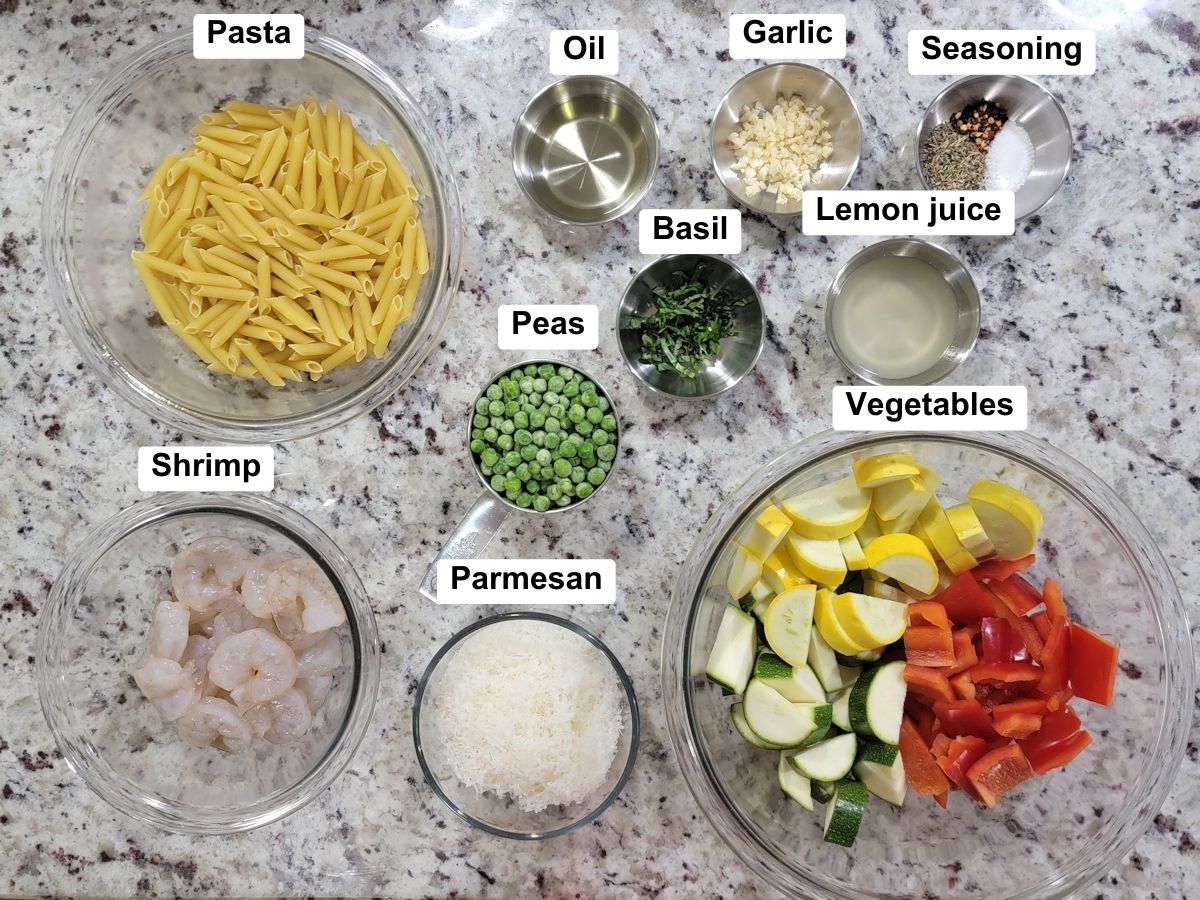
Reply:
x=778 y=151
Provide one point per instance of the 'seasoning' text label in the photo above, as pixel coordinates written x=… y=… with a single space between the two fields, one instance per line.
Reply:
x=994 y=408
x=1001 y=52
x=526 y=581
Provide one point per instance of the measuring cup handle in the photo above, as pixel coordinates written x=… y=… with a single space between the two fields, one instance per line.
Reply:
x=471 y=537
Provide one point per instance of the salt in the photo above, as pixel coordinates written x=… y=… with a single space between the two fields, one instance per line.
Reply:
x=1009 y=159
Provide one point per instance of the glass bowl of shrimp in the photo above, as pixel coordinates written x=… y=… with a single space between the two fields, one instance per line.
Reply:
x=208 y=665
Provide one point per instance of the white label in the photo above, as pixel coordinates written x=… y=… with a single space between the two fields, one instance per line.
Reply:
x=248 y=36
x=998 y=52
x=529 y=582
x=583 y=52
x=907 y=212
x=548 y=326
x=997 y=408
x=787 y=36
x=241 y=468
x=690 y=231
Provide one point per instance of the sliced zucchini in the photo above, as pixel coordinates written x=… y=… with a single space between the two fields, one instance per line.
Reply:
x=732 y=654
x=744 y=570
x=841 y=709
x=823 y=661
x=884 y=781
x=844 y=812
x=788 y=623
x=877 y=752
x=877 y=702
x=794 y=784
x=822 y=791
x=795 y=683
x=761 y=592
x=738 y=715
x=779 y=721
x=830 y=760
x=858 y=660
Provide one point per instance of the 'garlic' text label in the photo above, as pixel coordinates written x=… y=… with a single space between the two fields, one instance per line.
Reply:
x=787 y=36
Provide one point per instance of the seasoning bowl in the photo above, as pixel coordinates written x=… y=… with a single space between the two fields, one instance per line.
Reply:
x=482 y=521
x=91 y=636
x=766 y=85
x=956 y=274
x=1028 y=105
x=502 y=816
x=584 y=150
x=738 y=354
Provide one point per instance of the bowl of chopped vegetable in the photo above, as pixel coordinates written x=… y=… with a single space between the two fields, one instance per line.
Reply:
x=914 y=665
x=781 y=130
x=690 y=327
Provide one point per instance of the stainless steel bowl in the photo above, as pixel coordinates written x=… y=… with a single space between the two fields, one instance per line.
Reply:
x=738 y=353
x=957 y=276
x=585 y=150
x=1029 y=105
x=766 y=85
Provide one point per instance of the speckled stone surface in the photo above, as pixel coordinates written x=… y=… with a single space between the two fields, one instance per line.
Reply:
x=1092 y=304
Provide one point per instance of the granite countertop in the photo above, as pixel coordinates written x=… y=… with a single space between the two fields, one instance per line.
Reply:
x=1091 y=305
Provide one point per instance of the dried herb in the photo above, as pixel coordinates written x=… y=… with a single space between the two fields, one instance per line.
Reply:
x=951 y=161
x=682 y=330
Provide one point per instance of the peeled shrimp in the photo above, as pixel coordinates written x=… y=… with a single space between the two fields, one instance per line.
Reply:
x=321 y=658
x=209 y=571
x=254 y=666
x=302 y=581
x=316 y=688
x=235 y=621
x=288 y=716
x=168 y=685
x=254 y=584
x=210 y=718
x=198 y=651
x=289 y=622
x=168 y=631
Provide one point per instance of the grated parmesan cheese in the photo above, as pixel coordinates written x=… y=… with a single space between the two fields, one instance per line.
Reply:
x=531 y=711
x=778 y=151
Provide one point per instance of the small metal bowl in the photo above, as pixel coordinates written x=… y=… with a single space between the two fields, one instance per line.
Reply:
x=966 y=331
x=1029 y=105
x=585 y=150
x=766 y=85
x=739 y=353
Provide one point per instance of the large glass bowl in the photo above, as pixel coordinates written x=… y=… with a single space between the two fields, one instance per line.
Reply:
x=143 y=111
x=1054 y=834
x=91 y=637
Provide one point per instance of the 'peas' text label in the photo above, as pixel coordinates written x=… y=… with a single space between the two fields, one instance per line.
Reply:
x=584 y=52
x=248 y=36
x=243 y=468
x=991 y=408
x=548 y=326
x=787 y=36
x=689 y=231
x=908 y=212
x=526 y=582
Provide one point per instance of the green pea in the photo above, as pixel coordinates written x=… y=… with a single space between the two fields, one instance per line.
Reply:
x=523 y=437
x=604 y=466
x=511 y=408
x=500 y=468
x=544 y=457
x=553 y=426
x=562 y=468
x=583 y=491
x=511 y=389
x=563 y=501
x=504 y=442
x=477 y=434
x=571 y=389
x=480 y=421
x=576 y=414
x=609 y=423
x=535 y=399
x=558 y=410
x=596 y=476
x=533 y=486
x=566 y=373
x=586 y=386
x=490 y=434
x=537 y=419
x=486 y=470
x=512 y=484
x=555 y=383
x=527 y=385
x=528 y=451
x=507 y=427
x=494 y=421
x=587 y=448
x=585 y=428
x=553 y=491
x=539 y=438
x=524 y=500
x=535 y=469
x=498 y=482
x=578 y=474
x=600 y=437
x=603 y=405
x=482 y=404
x=531 y=370
x=594 y=415
x=496 y=407
x=541 y=503
x=522 y=471
x=521 y=419
x=566 y=486
x=552 y=442
x=550 y=397
x=568 y=449
x=478 y=446
x=539 y=385
x=545 y=370
x=606 y=453
x=488 y=456
x=512 y=458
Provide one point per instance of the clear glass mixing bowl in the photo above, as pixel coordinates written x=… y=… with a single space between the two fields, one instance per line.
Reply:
x=1054 y=834
x=143 y=111
x=91 y=637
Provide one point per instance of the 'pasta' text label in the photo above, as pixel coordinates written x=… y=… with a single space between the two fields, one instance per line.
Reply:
x=248 y=36
x=249 y=468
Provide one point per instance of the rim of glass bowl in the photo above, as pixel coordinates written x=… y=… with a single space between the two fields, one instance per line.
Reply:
x=1164 y=599
x=622 y=678
x=82 y=757
x=403 y=361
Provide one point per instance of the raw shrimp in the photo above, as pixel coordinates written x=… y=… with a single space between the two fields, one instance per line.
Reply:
x=198 y=651
x=168 y=685
x=302 y=581
x=209 y=571
x=288 y=716
x=254 y=584
x=254 y=666
x=316 y=688
x=210 y=718
x=168 y=631
x=235 y=621
x=321 y=658
x=289 y=622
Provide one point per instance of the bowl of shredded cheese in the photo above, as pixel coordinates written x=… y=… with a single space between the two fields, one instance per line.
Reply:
x=781 y=130
x=526 y=725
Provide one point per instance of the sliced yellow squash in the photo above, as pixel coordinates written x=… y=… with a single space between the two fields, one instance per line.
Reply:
x=779 y=575
x=870 y=621
x=744 y=571
x=788 y=623
x=969 y=530
x=884 y=590
x=829 y=512
x=819 y=561
x=941 y=534
x=883 y=468
x=904 y=558
x=852 y=551
x=767 y=532
x=829 y=627
x=1010 y=519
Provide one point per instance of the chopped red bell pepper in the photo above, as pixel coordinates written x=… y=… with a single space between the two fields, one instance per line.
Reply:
x=929 y=645
x=1004 y=673
x=959 y=757
x=1042 y=623
x=1056 y=606
x=1018 y=718
x=1001 y=643
x=1023 y=627
x=965 y=600
x=999 y=569
x=1017 y=600
x=1043 y=758
x=964 y=652
x=920 y=768
x=997 y=772
x=927 y=685
x=1057 y=725
x=1032 y=596
x=1055 y=742
x=942 y=798
x=959 y=717
x=922 y=717
x=1055 y=659
x=940 y=744
x=928 y=612
x=1059 y=700
x=1092 y=665
x=964 y=687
